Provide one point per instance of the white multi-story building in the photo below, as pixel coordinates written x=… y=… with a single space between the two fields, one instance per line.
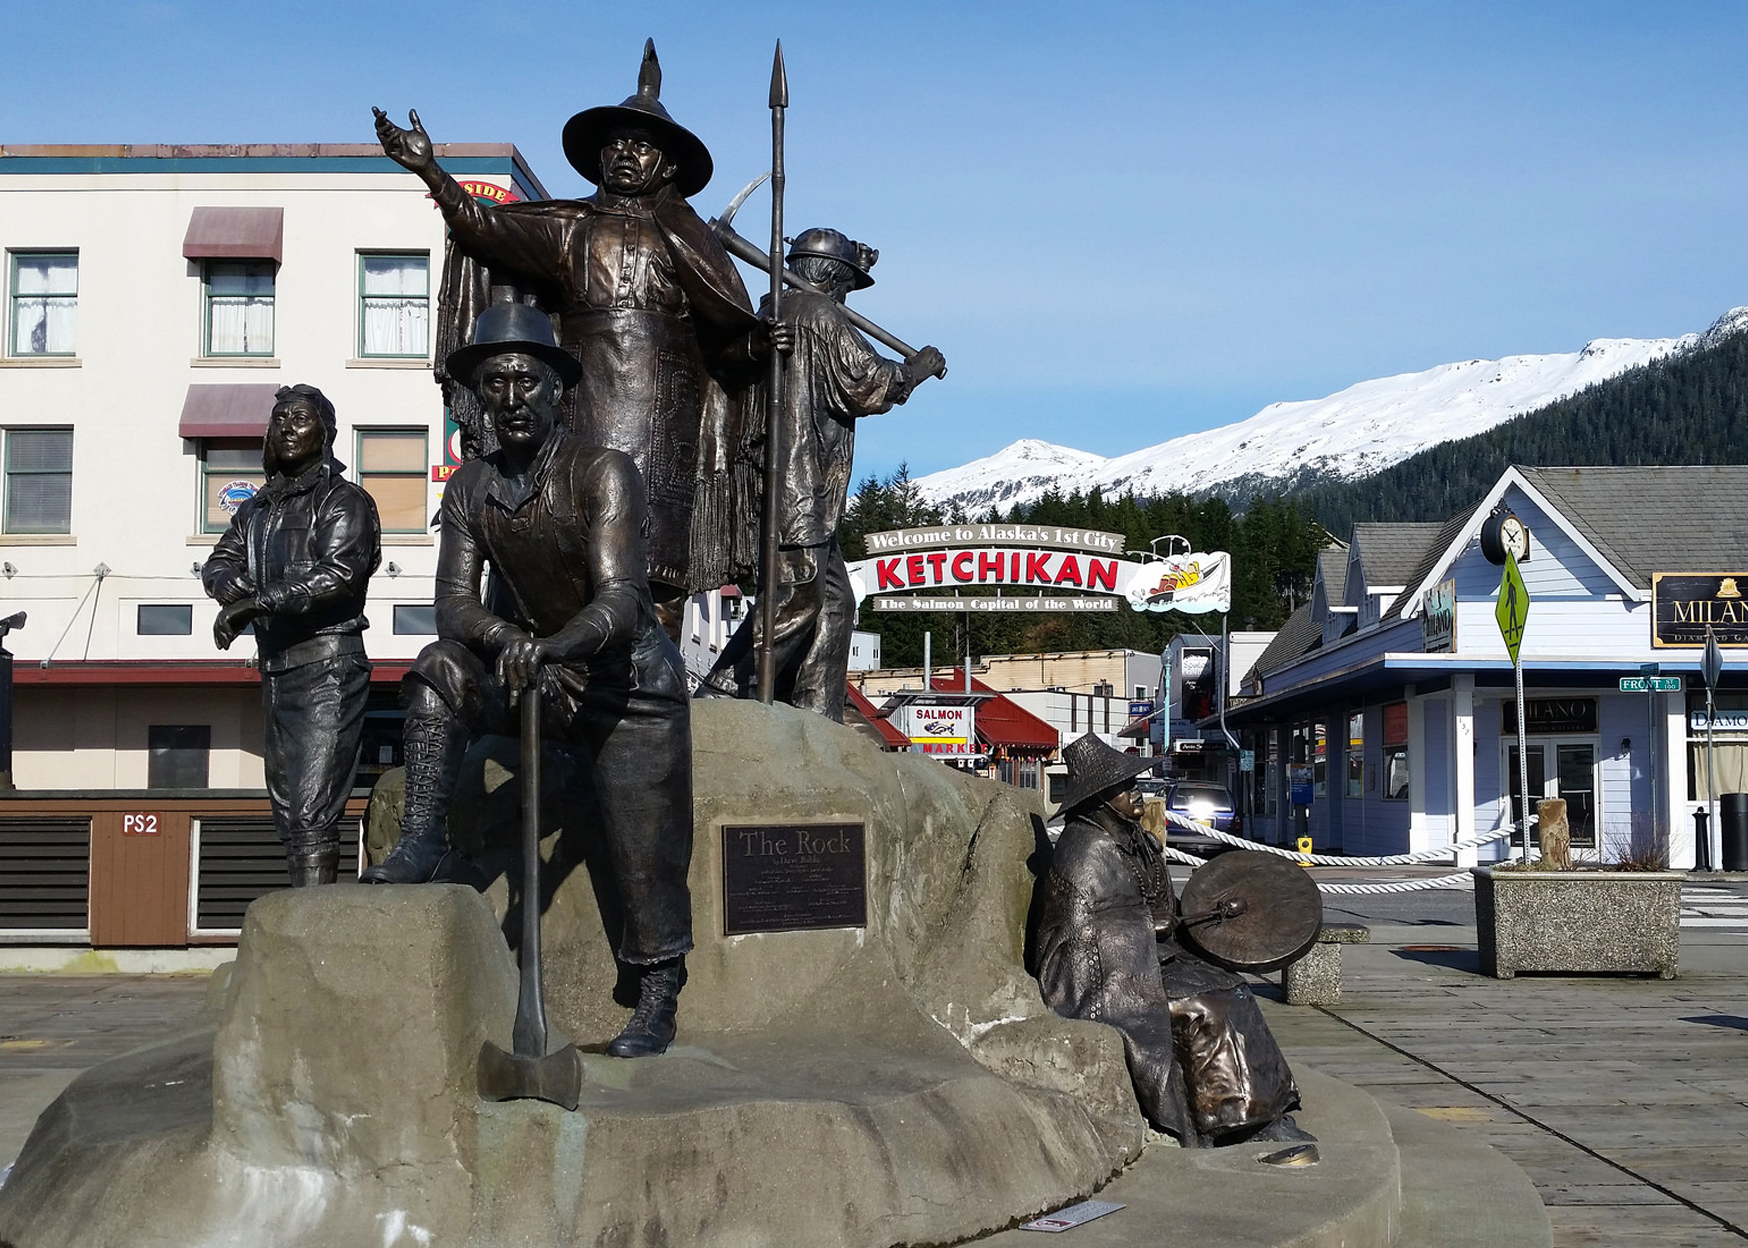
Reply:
x=155 y=298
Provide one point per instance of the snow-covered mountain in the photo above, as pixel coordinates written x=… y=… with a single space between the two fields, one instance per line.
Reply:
x=1353 y=433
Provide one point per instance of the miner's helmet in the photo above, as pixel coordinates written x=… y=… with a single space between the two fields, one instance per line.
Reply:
x=587 y=133
x=836 y=245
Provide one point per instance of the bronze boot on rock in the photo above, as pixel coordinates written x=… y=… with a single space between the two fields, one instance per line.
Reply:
x=651 y=1027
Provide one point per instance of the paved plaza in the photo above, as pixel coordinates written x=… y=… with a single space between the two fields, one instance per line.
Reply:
x=1625 y=1100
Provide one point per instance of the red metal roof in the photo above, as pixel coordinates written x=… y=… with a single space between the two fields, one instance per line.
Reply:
x=1000 y=721
x=889 y=733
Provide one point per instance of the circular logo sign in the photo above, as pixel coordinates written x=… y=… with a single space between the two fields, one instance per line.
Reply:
x=233 y=494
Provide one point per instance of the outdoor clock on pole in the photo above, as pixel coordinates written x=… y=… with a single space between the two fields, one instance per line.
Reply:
x=1503 y=534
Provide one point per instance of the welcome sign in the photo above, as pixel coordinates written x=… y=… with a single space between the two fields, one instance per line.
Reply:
x=1053 y=560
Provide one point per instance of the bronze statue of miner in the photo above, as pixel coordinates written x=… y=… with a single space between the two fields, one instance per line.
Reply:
x=562 y=525
x=833 y=378
x=295 y=564
x=1203 y=1062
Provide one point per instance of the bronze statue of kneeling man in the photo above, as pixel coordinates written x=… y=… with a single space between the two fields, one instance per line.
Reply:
x=1205 y=1067
x=562 y=525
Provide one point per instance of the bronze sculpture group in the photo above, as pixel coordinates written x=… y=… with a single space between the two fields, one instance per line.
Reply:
x=614 y=468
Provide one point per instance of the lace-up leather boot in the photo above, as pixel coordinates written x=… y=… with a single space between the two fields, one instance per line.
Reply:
x=434 y=745
x=651 y=1028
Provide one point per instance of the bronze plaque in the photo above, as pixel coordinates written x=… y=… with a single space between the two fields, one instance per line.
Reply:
x=792 y=877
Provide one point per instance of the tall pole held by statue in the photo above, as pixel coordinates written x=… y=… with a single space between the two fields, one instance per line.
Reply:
x=773 y=399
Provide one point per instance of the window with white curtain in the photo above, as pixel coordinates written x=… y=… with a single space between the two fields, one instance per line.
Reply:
x=394 y=294
x=45 y=297
x=239 y=307
x=39 y=481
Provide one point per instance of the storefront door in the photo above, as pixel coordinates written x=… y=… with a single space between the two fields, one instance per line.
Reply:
x=1557 y=769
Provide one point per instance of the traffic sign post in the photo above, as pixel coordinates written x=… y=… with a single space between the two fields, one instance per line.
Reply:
x=1711 y=668
x=1512 y=612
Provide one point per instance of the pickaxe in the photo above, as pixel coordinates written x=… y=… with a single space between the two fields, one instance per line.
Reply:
x=744 y=249
x=531 y=1073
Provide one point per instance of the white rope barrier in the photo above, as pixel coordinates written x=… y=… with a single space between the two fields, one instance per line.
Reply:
x=1461 y=879
x=1326 y=860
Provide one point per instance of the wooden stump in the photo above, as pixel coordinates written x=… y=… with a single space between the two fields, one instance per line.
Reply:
x=1556 y=833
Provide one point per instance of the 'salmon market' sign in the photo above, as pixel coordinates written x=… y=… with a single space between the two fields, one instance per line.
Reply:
x=1684 y=603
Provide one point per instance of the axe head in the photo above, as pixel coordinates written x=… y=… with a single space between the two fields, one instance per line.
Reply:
x=556 y=1078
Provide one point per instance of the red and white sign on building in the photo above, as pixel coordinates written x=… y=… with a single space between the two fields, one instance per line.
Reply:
x=949 y=730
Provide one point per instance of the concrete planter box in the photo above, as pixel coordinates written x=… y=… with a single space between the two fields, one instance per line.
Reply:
x=1574 y=922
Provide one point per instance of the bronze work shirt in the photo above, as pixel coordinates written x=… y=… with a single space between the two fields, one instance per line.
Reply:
x=565 y=546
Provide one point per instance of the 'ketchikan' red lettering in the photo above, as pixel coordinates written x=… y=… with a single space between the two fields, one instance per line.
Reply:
x=962 y=566
x=1101 y=574
x=938 y=560
x=887 y=570
x=913 y=568
x=1069 y=571
x=987 y=563
x=1038 y=567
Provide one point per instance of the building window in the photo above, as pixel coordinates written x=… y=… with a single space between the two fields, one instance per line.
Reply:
x=239 y=307
x=1356 y=754
x=230 y=473
x=391 y=468
x=415 y=620
x=176 y=755
x=39 y=481
x=45 y=297
x=394 y=294
x=164 y=619
x=1396 y=751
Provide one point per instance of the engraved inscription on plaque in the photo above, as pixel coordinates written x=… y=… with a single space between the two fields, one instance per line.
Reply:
x=793 y=877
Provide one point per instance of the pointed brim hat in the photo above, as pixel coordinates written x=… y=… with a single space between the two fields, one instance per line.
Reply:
x=512 y=328
x=587 y=133
x=1095 y=768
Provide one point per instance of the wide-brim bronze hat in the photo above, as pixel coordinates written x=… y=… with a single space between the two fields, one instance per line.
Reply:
x=1094 y=768
x=511 y=328
x=587 y=133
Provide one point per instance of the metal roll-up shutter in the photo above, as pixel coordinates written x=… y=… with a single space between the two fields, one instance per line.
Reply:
x=45 y=874
x=241 y=858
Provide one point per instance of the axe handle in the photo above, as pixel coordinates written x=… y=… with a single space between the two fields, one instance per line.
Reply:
x=530 y=1033
x=749 y=251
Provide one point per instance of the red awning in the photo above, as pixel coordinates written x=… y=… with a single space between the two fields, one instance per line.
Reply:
x=168 y=672
x=226 y=411
x=235 y=234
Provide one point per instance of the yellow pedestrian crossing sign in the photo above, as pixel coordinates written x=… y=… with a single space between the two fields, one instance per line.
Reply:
x=1513 y=608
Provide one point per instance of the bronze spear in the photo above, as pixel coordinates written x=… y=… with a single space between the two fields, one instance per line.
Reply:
x=774 y=399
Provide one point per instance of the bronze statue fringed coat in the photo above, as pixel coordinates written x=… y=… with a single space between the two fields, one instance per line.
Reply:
x=647 y=298
x=1203 y=1062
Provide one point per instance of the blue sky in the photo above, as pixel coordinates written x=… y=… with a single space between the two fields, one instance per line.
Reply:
x=1121 y=222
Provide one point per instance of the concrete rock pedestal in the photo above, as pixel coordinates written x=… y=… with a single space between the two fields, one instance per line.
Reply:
x=1578 y=922
x=894 y=1083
